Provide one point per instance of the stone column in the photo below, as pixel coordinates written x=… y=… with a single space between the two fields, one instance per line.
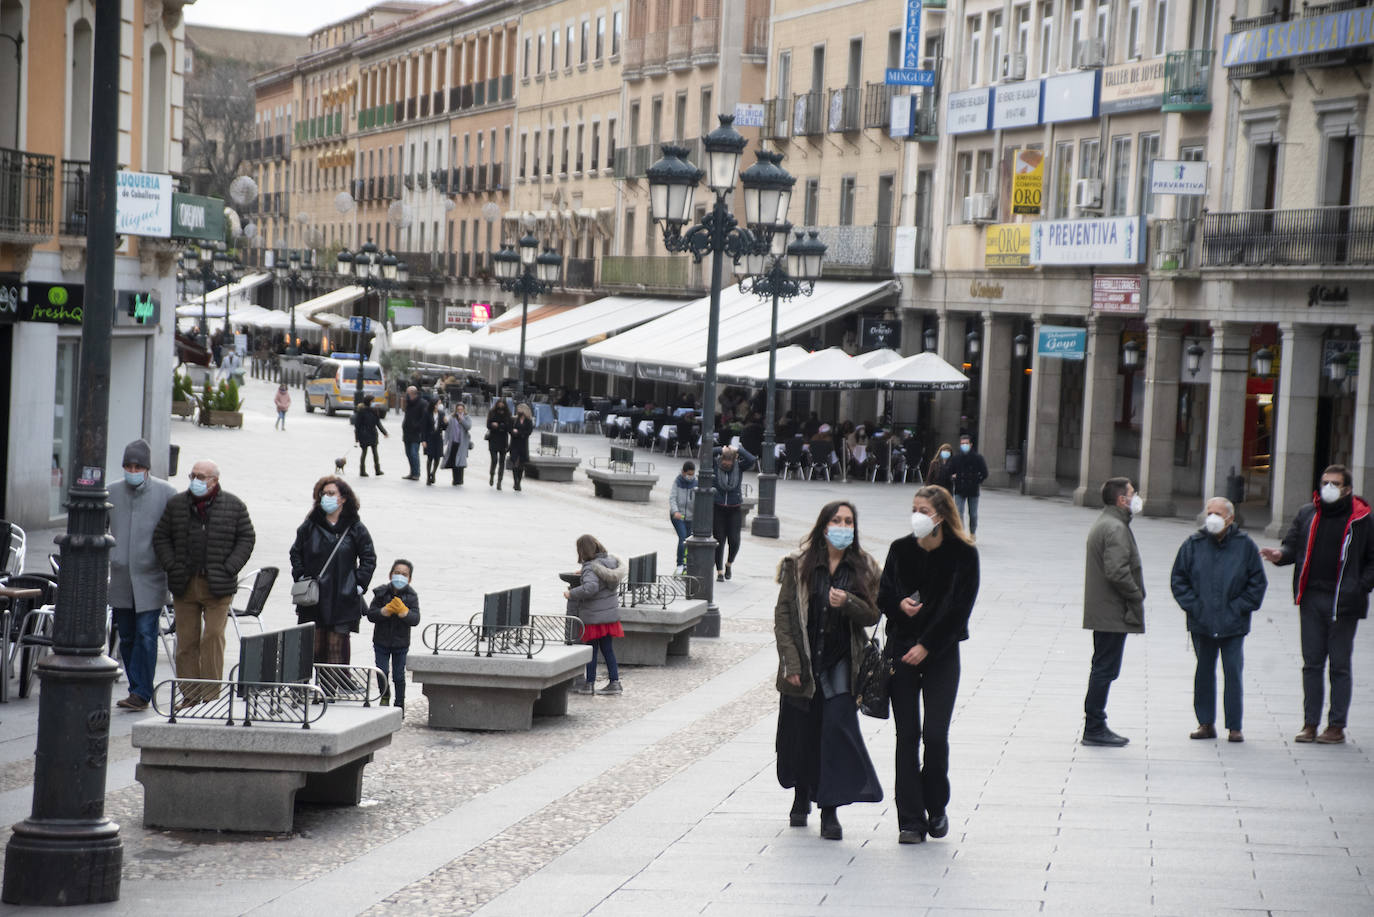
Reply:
x=1099 y=408
x=994 y=409
x=1362 y=444
x=1159 y=427
x=1042 y=428
x=949 y=406
x=1295 y=428
x=1226 y=404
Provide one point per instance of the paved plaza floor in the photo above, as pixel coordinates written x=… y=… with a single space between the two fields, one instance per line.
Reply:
x=664 y=801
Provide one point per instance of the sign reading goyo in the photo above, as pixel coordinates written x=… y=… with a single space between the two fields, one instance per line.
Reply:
x=1061 y=342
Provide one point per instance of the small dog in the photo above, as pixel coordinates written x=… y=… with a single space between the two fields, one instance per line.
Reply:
x=339 y=464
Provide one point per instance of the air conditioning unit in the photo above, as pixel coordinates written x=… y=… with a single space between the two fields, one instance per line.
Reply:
x=1089 y=53
x=1087 y=194
x=1170 y=248
x=1013 y=67
x=980 y=208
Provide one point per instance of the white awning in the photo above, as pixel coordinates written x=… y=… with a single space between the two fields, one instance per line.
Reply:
x=831 y=368
x=572 y=329
x=875 y=359
x=449 y=344
x=315 y=310
x=214 y=300
x=922 y=372
x=672 y=347
x=753 y=368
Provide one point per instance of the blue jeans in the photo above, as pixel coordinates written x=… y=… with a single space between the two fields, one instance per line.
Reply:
x=970 y=517
x=393 y=663
x=1205 y=679
x=413 y=456
x=612 y=670
x=138 y=648
x=683 y=527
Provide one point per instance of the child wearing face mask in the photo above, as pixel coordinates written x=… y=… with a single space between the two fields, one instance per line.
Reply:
x=394 y=611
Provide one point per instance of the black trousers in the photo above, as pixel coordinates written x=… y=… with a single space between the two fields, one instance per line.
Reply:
x=1108 y=648
x=930 y=689
x=498 y=465
x=1326 y=644
x=726 y=525
x=458 y=474
x=376 y=462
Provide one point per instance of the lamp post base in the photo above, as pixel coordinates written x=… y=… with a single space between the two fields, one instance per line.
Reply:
x=48 y=865
x=701 y=563
x=765 y=523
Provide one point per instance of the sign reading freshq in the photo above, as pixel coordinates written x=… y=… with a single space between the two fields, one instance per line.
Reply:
x=1296 y=37
x=143 y=204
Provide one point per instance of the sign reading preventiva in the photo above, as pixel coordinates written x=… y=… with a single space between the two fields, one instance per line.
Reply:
x=1177 y=176
x=1110 y=240
x=1296 y=37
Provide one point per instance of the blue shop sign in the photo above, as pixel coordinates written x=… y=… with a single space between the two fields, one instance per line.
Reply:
x=1062 y=342
x=1297 y=37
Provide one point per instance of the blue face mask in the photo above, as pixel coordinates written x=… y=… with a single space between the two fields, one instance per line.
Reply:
x=398 y=581
x=198 y=487
x=964 y=447
x=135 y=478
x=839 y=536
x=329 y=503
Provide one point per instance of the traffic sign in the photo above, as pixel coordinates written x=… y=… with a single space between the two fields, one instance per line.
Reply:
x=908 y=77
x=359 y=323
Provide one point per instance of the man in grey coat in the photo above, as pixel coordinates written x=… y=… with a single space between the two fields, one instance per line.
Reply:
x=1113 y=602
x=138 y=584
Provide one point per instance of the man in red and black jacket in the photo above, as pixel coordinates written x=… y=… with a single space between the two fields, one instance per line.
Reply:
x=1331 y=543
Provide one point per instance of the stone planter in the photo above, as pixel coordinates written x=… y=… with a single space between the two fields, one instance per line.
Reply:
x=183 y=409
x=224 y=418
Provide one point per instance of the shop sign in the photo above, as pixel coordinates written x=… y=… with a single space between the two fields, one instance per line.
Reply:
x=1136 y=86
x=979 y=290
x=138 y=307
x=1016 y=105
x=403 y=313
x=1007 y=245
x=143 y=204
x=196 y=217
x=1060 y=342
x=748 y=114
x=456 y=315
x=1108 y=240
x=1027 y=181
x=594 y=364
x=1119 y=293
x=1071 y=97
x=1296 y=37
x=479 y=313
x=969 y=111
x=55 y=303
x=877 y=333
x=1178 y=176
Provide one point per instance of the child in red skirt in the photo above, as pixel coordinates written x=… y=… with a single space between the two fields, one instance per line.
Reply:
x=597 y=602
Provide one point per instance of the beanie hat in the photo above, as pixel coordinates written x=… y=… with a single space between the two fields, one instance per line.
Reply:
x=138 y=452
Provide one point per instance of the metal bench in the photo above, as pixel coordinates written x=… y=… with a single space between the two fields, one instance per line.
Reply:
x=622 y=478
x=551 y=462
x=658 y=613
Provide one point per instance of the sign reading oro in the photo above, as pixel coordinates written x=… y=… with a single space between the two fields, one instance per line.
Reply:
x=1027 y=181
x=1007 y=245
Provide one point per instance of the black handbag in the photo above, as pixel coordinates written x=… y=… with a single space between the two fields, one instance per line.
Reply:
x=875 y=671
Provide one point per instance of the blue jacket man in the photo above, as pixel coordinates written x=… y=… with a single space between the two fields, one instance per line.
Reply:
x=1219 y=581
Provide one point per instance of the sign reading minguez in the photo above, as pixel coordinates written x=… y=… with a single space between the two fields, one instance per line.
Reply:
x=910 y=74
x=143 y=204
x=196 y=217
x=1061 y=342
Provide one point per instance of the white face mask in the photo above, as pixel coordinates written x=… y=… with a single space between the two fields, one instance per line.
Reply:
x=1330 y=492
x=921 y=525
x=1214 y=524
x=1137 y=504
x=944 y=453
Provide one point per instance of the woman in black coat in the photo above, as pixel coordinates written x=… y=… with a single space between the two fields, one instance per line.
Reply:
x=333 y=521
x=522 y=427
x=435 y=426
x=499 y=425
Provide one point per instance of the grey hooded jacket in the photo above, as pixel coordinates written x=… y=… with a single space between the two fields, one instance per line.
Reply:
x=596 y=600
x=137 y=580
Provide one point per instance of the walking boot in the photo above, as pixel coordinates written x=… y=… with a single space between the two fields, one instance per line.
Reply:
x=517 y=474
x=362 y=472
x=1332 y=735
x=801 y=807
x=1308 y=734
x=830 y=824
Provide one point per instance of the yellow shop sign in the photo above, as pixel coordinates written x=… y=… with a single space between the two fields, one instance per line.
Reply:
x=1008 y=245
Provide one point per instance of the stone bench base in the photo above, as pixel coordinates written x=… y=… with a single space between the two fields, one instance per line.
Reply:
x=204 y=775
x=616 y=485
x=653 y=633
x=498 y=692
x=556 y=468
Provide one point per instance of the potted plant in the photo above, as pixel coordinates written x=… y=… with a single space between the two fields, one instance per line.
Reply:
x=395 y=367
x=183 y=395
x=220 y=405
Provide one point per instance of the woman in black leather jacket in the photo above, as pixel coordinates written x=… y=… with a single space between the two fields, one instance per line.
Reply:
x=344 y=577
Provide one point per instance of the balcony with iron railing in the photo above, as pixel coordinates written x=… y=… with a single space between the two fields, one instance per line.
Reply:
x=878 y=104
x=76 y=180
x=1187 y=80
x=808 y=113
x=756 y=37
x=1320 y=236
x=777 y=119
x=422 y=265
x=927 y=119
x=857 y=251
x=1174 y=244
x=845 y=109
x=706 y=42
x=679 y=55
x=652 y=273
x=1343 y=57
x=632 y=62
x=580 y=274
x=656 y=53
x=1262 y=68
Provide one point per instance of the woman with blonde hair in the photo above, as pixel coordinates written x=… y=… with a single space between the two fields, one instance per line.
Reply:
x=827 y=596
x=929 y=585
x=522 y=427
x=939 y=472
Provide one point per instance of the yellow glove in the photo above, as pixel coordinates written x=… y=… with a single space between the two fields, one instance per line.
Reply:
x=396 y=607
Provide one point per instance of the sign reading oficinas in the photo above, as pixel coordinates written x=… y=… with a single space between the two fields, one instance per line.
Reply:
x=1296 y=37
x=143 y=204
x=1110 y=240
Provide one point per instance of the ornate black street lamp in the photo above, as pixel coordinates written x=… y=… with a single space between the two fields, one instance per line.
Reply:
x=672 y=184
x=781 y=275
x=298 y=275
x=216 y=268
x=528 y=274
x=374 y=272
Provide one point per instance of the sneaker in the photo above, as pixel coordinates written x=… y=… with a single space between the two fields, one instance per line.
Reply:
x=612 y=687
x=585 y=688
x=1104 y=737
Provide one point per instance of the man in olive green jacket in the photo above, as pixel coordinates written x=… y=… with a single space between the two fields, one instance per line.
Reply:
x=1113 y=602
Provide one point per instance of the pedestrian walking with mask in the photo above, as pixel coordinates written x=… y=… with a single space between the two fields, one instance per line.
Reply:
x=1331 y=542
x=680 y=506
x=282 y=402
x=394 y=611
x=968 y=470
x=1218 y=580
x=367 y=424
x=499 y=424
x=457 y=442
x=729 y=505
x=521 y=429
x=334 y=547
x=827 y=594
x=940 y=473
x=436 y=426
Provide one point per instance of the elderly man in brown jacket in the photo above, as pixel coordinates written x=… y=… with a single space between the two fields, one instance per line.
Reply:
x=1113 y=602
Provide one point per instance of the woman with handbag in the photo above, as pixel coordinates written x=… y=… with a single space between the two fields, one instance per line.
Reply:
x=436 y=428
x=929 y=585
x=521 y=429
x=499 y=425
x=828 y=589
x=457 y=442
x=334 y=549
